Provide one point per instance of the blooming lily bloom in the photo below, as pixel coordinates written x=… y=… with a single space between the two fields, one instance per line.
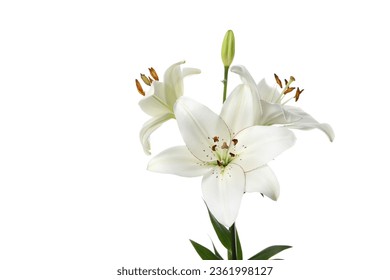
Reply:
x=272 y=109
x=231 y=161
x=160 y=99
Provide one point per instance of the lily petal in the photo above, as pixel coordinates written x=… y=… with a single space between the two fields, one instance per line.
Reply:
x=308 y=122
x=267 y=93
x=276 y=114
x=173 y=81
x=150 y=126
x=241 y=109
x=198 y=125
x=179 y=161
x=245 y=76
x=223 y=191
x=248 y=80
x=154 y=103
x=262 y=180
x=190 y=71
x=257 y=145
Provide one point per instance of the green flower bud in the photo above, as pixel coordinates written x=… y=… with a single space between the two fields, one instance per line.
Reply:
x=228 y=48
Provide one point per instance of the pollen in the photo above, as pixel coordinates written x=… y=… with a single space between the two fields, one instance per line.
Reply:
x=289 y=89
x=278 y=81
x=213 y=148
x=139 y=87
x=298 y=93
x=146 y=80
x=216 y=139
x=235 y=141
x=153 y=73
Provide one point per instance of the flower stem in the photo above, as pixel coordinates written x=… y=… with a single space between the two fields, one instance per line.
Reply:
x=233 y=235
x=225 y=81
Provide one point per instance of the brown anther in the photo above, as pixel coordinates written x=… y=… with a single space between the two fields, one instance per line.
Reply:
x=146 y=80
x=219 y=163
x=150 y=80
x=278 y=81
x=139 y=87
x=292 y=79
x=224 y=146
x=232 y=155
x=298 y=93
x=216 y=139
x=153 y=73
x=285 y=82
x=289 y=89
x=213 y=147
x=235 y=141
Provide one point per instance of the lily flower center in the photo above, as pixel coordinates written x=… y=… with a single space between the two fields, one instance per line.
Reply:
x=287 y=89
x=222 y=153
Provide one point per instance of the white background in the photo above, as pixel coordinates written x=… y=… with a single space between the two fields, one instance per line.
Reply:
x=76 y=201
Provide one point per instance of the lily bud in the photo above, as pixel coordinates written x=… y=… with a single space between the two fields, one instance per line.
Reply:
x=228 y=48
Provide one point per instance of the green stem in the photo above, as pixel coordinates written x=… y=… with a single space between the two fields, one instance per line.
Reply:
x=225 y=80
x=233 y=235
x=232 y=229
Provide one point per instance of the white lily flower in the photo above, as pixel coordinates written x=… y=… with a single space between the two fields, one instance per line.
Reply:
x=160 y=99
x=231 y=161
x=273 y=110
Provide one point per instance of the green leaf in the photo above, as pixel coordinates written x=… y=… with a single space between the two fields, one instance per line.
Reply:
x=216 y=252
x=203 y=252
x=238 y=247
x=221 y=231
x=269 y=252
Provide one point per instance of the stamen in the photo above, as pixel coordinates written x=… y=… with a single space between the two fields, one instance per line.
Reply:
x=278 y=81
x=139 y=87
x=213 y=148
x=224 y=146
x=235 y=141
x=286 y=89
x=216 y=139
x=219 y=163
x=232 y=155
x=289 y=89
x=298 y=93
x=153 y=73
x=146 y=80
